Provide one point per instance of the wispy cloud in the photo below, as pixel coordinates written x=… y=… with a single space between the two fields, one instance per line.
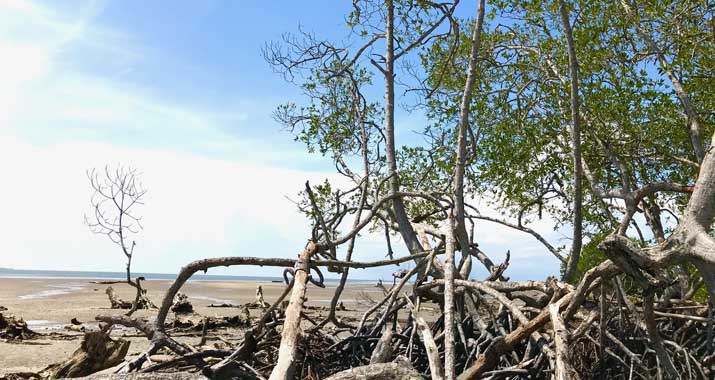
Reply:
x=66 y=105
x=59 y=118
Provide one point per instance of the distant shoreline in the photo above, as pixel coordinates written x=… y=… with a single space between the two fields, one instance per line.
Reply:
x=100 y=275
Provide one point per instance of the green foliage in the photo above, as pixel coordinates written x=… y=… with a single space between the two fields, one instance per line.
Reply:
x=519 y=153
x=520 y=137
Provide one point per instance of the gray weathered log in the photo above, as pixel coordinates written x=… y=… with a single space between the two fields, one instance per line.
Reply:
x=291 y=327
x=383 y=349
x=564 y=370
x=147 y=376
x=400 y=369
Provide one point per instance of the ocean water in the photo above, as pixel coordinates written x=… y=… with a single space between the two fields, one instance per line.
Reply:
x=29 y=273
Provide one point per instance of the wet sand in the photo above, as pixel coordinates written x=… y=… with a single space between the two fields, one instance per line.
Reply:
x=48 y=305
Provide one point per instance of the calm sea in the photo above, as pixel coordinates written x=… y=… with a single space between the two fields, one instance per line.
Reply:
x=27 y=273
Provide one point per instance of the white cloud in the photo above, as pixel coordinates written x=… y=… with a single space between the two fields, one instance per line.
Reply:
x=57 y=120
x=196 y=207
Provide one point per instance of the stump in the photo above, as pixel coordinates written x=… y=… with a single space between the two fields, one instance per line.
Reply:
x=259 y=302
x=182 y=305
x=97 y=352
x=13 y=328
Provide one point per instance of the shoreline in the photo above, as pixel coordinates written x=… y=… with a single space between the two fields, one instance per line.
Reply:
x=48 y=310
x=6 y=273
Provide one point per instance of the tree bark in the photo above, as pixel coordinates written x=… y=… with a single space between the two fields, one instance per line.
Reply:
x=96 y=352
x=403 y=221
x=464 y=111
x=291 y=327
x=398 y=370
x=575 y=147
x=383 y=348
x=563 y=370
x=435 y=364
x=449 y=269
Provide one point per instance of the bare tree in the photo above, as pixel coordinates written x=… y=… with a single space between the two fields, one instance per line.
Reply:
x=117 y=193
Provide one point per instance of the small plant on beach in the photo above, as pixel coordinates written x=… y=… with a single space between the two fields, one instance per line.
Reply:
x=117 y=193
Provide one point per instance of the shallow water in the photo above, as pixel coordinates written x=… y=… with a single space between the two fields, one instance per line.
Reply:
x=212 y=299
x=57 y=291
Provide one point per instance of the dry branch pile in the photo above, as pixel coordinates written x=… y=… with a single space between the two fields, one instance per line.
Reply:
x=502 y=329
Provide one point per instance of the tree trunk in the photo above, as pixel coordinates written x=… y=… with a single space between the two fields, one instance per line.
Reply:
x=575 y=147
x=403 y=221
x=449 y=269
x=464 y=111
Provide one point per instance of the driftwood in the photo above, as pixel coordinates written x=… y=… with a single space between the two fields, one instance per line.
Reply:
x=97 y=352
x=115 y=301
x=182 y=305
x=401 y=369
x=291 y=327
x=259 y=297
x=12 y=328
x=563 y=370
x=223 y=305
x=383 y=349
x=147 y=376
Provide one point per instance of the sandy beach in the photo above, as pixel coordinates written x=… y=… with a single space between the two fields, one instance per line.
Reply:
x=48 y=305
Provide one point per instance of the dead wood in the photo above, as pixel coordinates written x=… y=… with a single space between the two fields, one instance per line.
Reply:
x=147 y=376
x=401 y=369
x=222 y=305
x=182 y=305
x=291 y=326
x=115 y=301
x=96 y=352
x=563 y=370
x=12 y=328
x=383 y=350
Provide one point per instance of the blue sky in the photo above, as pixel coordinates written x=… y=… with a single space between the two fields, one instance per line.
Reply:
x=180 y=91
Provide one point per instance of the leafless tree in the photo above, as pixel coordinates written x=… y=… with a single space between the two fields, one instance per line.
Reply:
x=117 y=194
